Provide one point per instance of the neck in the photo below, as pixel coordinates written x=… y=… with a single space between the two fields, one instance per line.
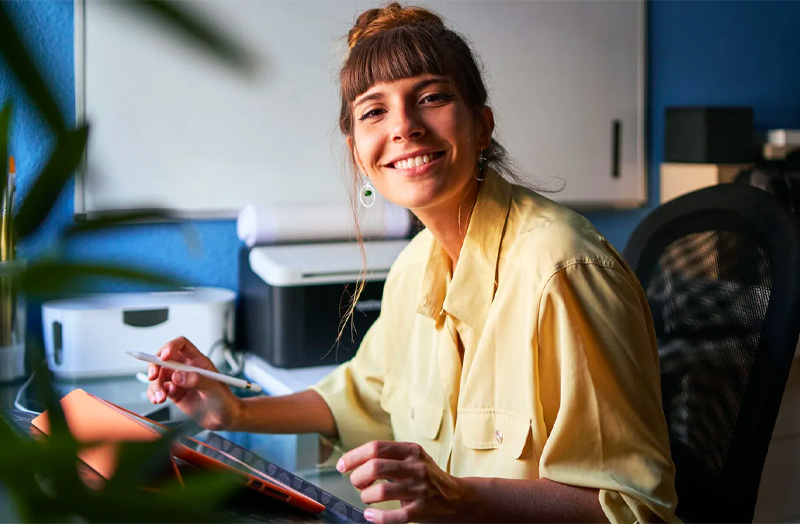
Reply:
x=448 y=221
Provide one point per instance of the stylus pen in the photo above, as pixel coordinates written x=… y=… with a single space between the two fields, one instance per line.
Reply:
x=235 y=382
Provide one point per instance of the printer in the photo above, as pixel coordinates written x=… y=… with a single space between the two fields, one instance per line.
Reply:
x=293 y=297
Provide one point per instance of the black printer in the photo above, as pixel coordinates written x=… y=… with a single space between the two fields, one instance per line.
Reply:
x=292 y=298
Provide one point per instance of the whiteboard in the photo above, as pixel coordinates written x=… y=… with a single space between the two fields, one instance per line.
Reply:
x=172 y=128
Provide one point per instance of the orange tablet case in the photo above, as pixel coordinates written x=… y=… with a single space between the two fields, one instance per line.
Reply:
x=94 y=420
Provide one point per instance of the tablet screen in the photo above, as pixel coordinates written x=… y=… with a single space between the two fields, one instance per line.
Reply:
x=337 y=510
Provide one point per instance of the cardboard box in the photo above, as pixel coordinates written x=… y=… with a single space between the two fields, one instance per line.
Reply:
x=679 y=179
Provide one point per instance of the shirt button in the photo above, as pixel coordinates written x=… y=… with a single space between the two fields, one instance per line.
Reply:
x=498 y=435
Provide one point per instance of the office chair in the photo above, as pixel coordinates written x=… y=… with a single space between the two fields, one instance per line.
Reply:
x=721 y=269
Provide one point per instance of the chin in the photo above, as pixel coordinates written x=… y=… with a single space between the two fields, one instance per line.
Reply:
x=413 y=201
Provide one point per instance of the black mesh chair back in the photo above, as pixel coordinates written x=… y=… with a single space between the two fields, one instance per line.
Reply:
x=721 y=269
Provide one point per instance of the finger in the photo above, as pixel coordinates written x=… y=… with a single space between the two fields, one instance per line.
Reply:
x=175 y=393
x=154 y=393
x=375 y=449
x=157 y=386
x=383 y=516
x=387 y=469
x=383 y=491
x=182 y=350
x=190 y=380
x=185 y=379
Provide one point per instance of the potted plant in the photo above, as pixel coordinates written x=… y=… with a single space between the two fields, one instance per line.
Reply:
x=40 y=478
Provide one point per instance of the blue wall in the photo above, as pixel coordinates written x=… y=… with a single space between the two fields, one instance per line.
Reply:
x=715 y=53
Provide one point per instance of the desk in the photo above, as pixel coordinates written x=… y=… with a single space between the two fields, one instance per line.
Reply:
x=305 y=455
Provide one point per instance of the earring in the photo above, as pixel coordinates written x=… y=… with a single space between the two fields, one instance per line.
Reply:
x=481 y=167
x=367 y=194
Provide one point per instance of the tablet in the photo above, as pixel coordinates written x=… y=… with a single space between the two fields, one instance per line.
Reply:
x=92 y=419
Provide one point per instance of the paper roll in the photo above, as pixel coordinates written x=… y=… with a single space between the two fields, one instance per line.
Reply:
x=296 y=223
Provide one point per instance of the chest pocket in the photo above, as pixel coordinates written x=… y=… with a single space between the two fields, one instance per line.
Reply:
x=412 y=414
x=491 y=429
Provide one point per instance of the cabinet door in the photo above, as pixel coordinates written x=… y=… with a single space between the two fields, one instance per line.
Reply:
x=566 y=81
x=169 y=125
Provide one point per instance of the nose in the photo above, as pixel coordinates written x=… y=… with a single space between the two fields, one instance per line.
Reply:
x=407 y=126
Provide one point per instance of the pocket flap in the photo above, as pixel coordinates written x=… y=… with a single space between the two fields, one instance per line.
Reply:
x=491 y=429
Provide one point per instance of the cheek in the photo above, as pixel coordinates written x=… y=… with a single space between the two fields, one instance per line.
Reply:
x=368 y=147
x=457 y=127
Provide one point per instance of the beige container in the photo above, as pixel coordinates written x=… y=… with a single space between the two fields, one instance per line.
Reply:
x=679 y=179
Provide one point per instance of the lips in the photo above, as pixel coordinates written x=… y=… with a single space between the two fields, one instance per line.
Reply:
x=416 y=161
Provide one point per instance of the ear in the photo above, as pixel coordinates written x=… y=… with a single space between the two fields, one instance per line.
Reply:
x=485 y=127
x=353 y=151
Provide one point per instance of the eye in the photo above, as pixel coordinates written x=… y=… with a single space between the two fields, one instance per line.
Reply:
x=434 y=98
x=372 y=113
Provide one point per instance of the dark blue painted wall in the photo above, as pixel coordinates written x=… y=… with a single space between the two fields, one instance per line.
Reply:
x=715 y=53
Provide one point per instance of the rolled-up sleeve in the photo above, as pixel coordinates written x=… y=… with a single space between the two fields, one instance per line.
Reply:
x=353 y=391
x=600 y=393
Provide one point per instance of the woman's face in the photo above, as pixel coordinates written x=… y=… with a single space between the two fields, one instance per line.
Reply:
x=417 y=140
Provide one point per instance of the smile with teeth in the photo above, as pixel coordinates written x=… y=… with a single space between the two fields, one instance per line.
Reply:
x=415 y=161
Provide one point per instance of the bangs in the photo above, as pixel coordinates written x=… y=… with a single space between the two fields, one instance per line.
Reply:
x=401 y=52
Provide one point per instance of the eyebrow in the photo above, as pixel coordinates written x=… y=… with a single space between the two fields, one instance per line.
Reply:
x=378 y=95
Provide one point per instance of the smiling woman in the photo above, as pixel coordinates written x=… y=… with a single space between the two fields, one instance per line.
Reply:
x=418 y=142
x=513 y=373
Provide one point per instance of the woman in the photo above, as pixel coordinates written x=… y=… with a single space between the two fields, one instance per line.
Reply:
x=513 y=372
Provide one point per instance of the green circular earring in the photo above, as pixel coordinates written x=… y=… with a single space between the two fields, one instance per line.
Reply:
x=367 y=194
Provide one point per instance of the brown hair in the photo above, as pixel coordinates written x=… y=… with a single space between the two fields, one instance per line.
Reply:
x=393 y=43
x=396 y=42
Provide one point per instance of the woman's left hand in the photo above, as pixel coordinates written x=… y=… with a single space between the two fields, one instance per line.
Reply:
x=424 y=490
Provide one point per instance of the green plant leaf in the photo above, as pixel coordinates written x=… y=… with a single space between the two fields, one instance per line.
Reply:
x=19 y=62
x=59 y=446
x=50 y=182
x=8 y=437
x=54 y=277
x=110 y=219
x=51 y=402
x=121 y=218
x=198 y=31
x=205 y=490
x=141 y=463
x=5 y=124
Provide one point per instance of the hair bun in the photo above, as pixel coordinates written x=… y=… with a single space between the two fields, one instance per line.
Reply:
x=374 y=21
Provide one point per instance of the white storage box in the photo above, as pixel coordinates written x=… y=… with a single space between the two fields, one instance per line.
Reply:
x=87 y=336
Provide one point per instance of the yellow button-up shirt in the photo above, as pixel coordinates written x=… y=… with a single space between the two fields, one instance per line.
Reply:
x=559 y=377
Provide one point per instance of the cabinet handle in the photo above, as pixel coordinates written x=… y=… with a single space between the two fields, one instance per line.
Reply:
x=616 y=131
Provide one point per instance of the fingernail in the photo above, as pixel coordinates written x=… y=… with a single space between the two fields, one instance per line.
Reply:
x=340 y=467
x=369 y=514
x=178 y=377
x=159 y=396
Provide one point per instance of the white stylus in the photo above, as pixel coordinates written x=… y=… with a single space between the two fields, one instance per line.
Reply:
x=236 y=382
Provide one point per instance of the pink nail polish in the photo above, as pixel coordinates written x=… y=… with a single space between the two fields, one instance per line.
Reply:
x=369 y=514
x=340 y=467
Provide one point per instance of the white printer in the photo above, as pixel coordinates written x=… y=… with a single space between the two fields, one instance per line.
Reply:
x=87 y=336
x=292 y=298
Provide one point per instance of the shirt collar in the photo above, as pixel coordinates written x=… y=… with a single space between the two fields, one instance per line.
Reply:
x=471 y=291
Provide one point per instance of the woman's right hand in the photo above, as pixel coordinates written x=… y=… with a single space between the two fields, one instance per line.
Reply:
x=210 y=403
